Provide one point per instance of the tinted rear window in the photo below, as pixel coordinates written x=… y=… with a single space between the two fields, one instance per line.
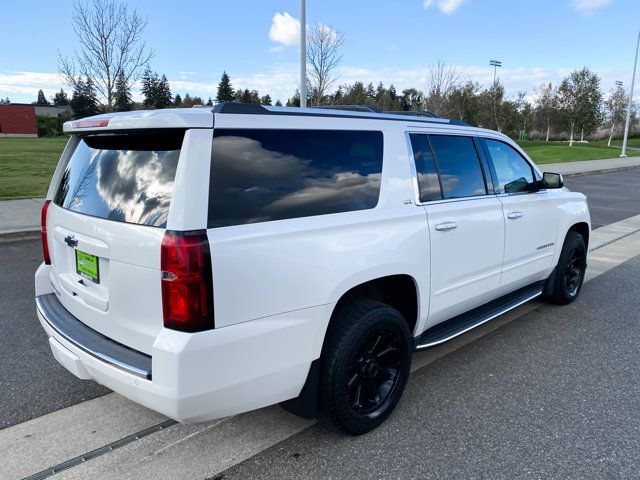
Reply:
x=459 y=166
x=125 y=177
x=263 y=175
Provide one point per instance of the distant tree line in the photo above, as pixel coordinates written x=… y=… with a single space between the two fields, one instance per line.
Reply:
x=574 y=109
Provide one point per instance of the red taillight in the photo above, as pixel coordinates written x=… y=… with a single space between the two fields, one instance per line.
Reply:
x=43 y=228
x=187 y=290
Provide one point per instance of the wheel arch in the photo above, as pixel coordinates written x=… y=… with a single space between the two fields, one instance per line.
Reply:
x=581 y=228
x=398 y=290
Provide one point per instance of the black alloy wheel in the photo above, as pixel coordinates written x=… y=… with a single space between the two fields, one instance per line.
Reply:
x=364 y=367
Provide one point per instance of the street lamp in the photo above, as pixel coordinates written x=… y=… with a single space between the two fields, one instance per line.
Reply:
x=623 y=154
x=495 y=64
x=303 y=55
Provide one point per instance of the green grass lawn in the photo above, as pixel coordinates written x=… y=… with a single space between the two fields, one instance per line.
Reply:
x=26 y=165
x=551 y=152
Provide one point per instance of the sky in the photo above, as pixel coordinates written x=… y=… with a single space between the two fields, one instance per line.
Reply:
x=393 y=41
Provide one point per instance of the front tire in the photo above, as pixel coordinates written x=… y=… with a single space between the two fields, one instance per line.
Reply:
x=569 y=274
x=364 y=366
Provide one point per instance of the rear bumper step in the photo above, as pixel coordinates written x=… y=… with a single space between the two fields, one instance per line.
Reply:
x=90 y=341
x=456 y=326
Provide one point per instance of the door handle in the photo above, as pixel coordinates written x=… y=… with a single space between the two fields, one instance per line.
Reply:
x=446 y=226
x=514 y=215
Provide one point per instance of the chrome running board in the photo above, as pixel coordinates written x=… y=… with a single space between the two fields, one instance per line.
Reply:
x=450 y=329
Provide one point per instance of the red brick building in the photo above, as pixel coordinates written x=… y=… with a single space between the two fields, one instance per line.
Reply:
x=18 y=120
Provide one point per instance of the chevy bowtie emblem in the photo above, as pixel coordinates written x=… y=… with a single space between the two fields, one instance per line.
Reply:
x=71 y=241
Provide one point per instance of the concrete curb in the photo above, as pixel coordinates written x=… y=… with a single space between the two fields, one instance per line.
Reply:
x=18 y=235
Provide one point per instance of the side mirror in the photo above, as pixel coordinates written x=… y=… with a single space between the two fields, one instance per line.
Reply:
x=552 y=180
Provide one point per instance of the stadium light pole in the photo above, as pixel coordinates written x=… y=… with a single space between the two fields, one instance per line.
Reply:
x=495 y=64
x=623 y=154
x=303 y=55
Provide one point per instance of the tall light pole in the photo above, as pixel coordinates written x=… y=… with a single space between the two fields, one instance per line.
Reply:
x=495 y=64
x=623 y=154
x=303 y=55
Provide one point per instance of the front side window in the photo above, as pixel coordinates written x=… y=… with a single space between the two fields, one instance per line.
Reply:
x=259 y=175
x=459 y=166
x=428 y=182
x=122 y=177
x=514 y=174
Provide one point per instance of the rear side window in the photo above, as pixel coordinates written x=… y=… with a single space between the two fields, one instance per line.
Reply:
x=263 y=175
x=428 y=182
x=122 y=177
x=459 y=166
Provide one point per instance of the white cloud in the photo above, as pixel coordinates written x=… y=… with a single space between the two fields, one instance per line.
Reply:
x=588 y=7
x=445 y=6
x=285 y=29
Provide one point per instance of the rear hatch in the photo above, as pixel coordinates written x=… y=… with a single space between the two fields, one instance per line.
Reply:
x=106 y=223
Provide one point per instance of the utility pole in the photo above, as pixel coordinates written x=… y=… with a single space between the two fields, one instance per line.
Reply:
x=495 y=64
x=303 y=55
x=623 y=154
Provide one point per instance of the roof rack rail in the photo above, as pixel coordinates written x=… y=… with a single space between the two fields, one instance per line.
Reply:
x=352 y=108
x=416 y=113
x=359 y=111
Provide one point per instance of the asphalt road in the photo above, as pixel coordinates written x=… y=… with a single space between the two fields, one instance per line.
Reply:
x=35 y=384
x=554 y=394
x=612 y=196
x=32 y=383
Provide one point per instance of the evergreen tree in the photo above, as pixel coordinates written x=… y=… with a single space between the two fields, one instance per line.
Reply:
x=5 y=100
x=177 y=101
x=187 y=101
x=149 y=80
x=42 y=100
x=266 y=100
x=84 y=103
x=122 y=97
x=225 y=90
x=246 y=96
x=278 y=103
x=60 y=99
x=164 y=93
x=156 y=90
x=210 y=102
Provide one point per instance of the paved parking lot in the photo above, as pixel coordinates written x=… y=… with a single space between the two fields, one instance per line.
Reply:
x=553 y=393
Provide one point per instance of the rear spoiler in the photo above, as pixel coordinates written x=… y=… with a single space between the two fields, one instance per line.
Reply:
x=143 y=119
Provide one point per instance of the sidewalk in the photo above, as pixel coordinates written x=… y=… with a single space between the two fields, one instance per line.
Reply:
x=23 y=216
x=590 y=166
x=20 y=216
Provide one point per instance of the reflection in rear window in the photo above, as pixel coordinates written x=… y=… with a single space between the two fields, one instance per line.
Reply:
x=263 y=175
x=125 y=178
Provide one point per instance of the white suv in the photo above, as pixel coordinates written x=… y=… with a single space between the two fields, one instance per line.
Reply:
x=209 y=262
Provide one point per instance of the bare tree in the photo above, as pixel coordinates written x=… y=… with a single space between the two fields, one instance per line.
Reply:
x=323 y=56
x=111 y=45
x=443 y=79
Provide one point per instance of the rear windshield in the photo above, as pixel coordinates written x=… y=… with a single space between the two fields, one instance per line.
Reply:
x=122 y=177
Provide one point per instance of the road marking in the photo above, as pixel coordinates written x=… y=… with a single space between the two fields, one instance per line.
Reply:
x=207 y=449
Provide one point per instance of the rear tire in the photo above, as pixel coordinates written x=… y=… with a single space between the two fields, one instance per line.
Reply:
x=364 y=366
x=569 y=273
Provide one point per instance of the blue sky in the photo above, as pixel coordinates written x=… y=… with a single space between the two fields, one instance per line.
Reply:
x=392 y=41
